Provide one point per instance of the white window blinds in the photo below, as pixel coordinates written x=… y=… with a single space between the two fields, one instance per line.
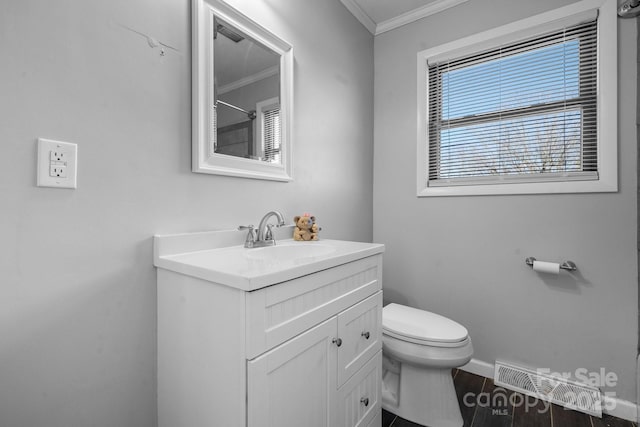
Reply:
x=524 y=111
x=272 y=136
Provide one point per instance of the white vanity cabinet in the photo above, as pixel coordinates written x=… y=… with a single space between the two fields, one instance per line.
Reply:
x=300 y=352
x=304 y=381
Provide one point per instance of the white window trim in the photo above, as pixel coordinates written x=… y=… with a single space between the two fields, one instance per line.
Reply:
x=607 y=99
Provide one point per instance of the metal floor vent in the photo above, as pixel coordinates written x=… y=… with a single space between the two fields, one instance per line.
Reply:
x=560 y=391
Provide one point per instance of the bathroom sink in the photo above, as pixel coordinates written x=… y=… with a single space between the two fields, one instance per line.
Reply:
x=290 y=251
x=220 y=257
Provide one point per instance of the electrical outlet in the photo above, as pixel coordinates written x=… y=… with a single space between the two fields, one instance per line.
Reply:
x=58 y=171
x=58 y=156
x=57 y=164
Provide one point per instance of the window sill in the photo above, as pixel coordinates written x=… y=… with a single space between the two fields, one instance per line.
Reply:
x=590 y=186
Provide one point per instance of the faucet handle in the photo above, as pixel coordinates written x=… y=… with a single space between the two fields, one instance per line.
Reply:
x=269 y=234
x=251 y=235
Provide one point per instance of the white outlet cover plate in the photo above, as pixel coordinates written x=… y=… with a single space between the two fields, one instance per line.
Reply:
x=46 y=160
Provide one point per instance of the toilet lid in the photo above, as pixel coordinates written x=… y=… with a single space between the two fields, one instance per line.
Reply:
x=421 y=325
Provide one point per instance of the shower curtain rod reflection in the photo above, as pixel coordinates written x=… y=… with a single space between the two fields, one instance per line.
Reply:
x=251 y=114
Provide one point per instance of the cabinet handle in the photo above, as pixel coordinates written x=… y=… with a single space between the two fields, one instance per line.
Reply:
x=366 y=335
x=337 y=341
x=365 y=401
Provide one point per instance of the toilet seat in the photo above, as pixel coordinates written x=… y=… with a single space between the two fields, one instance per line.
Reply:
x=422 y=327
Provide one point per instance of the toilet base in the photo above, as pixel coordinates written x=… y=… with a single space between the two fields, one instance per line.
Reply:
x=421 y=395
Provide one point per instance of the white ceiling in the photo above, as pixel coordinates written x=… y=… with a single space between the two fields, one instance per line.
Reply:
x=379 y=16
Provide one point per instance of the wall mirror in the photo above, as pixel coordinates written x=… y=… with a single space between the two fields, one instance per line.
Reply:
x=242 y=90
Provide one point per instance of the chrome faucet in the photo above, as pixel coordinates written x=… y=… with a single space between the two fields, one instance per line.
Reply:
x=265 y=232
x=263 y=236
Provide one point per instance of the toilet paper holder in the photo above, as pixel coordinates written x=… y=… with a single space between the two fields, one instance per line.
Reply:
x=567 y=265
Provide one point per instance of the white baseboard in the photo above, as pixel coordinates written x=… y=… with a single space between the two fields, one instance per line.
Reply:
x=479 y=367
x=619 y=408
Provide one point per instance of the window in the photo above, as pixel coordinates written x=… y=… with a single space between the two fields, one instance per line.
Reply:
x=271 y=141
x=269 y=130
x=519 y=113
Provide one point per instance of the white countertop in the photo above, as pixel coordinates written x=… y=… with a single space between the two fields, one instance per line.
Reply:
x=255 y=268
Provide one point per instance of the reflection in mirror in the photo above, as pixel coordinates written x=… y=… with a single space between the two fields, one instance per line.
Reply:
x=242 y=95
x=247 y=92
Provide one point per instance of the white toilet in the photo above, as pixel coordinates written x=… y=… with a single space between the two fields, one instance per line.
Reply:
x=419 y=350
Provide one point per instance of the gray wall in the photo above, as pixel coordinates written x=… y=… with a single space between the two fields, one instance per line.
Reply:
x=638 y=173
x=77 y=293
x=463 y=257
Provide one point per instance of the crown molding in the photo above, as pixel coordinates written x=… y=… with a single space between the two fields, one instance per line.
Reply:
x=400 y=20
x=360 y=15
x=413 y=15
x=271 y=71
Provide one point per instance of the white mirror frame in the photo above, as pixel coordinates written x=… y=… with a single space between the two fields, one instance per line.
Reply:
x=203 y=159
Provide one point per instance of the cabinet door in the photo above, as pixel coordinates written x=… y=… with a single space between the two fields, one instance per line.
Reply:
x=359 y=397
x=360 y=328
x=294 y=384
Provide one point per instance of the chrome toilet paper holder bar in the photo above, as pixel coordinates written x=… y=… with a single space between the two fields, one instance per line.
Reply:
x=567 y=265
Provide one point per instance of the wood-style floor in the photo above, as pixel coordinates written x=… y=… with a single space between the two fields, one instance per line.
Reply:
x=489 y=408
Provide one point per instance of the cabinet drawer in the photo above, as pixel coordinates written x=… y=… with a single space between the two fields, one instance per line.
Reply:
x=360 y=329
x=278 y=313
x=359 y=398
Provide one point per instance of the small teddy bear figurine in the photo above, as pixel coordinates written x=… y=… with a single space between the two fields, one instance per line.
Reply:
x=306 y=227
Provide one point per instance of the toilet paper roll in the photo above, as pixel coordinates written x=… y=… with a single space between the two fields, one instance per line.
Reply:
x=546 y=267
